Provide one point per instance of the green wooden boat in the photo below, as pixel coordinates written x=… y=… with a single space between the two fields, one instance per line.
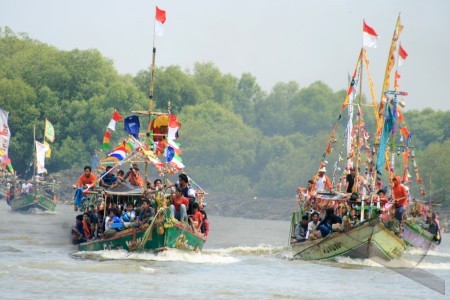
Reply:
x=26 y=203
x=163 y=235
x=416 y=236
x=369 y=239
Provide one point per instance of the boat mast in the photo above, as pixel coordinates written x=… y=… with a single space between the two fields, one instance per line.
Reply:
x=34 y=161
x=358 y=145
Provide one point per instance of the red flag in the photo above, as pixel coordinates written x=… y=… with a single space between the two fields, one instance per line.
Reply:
x=160 y=15
x=402 y=53
x=370 y=37
x=115 y=117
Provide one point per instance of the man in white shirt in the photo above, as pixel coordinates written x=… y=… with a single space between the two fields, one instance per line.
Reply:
x=26 y=186
x=314 y=233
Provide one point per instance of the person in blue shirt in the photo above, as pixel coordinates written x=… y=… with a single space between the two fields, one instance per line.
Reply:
x=109 y=180
x=115 y=222
x=78 y=231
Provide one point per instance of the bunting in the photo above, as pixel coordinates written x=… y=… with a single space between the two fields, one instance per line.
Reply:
x=106 y=140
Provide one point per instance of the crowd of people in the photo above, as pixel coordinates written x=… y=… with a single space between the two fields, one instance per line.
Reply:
x=103 y=220
x=344 y=211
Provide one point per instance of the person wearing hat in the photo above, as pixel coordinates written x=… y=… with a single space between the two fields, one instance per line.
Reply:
x=134 y=176
x=323 y=183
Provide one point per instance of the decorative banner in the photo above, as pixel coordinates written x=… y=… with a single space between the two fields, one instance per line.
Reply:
x=132 y=125
x=49 y=151
x=40 y=157
x=49 y=131
x=5 y=134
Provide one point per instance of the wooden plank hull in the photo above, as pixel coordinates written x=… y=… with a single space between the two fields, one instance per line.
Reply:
x=365 y=241
x=176 y=237
x=416 y=236
x=25 y=203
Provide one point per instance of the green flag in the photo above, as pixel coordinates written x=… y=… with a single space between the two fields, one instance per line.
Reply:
x=49 y=131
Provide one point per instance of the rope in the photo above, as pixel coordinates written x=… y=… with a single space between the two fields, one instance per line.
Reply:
x=148 y=232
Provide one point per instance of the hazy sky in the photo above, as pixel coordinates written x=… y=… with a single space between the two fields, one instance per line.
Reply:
x=276 y=41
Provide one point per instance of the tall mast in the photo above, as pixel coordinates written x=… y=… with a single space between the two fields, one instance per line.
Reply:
x=358 y=145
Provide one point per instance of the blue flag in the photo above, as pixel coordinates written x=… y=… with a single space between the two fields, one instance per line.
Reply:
x=132 y=125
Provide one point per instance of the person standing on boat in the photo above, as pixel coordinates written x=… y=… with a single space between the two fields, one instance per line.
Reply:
x=134 y=176
x=187 y=191
x=323 y=183
x=87 y=179
x=400 y=198
x=350 y=180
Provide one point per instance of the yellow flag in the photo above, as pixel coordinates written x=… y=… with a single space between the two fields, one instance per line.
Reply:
x=48 y=153
x=49 y=131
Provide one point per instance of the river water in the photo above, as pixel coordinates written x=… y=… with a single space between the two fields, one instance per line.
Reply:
x=243 y=258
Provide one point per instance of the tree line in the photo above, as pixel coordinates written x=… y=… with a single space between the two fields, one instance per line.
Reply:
x=236 y=138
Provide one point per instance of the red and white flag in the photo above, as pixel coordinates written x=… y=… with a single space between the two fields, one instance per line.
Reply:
x=402 y=55
x=160 y=19
x=115 y=118
x=370 y=37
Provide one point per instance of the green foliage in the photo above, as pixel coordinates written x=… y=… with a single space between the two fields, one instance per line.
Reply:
x=235 y=137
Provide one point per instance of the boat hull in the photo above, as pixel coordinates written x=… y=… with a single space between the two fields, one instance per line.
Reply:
x=414 y=235
x=370 y=239
x=176 y=237
x=26 y=203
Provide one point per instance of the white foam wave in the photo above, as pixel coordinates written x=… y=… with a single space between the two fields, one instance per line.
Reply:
x=417 y=251
x=147 y=270
x=168 y=255
x=429 y=265
x=257 y=250
x=356 y=261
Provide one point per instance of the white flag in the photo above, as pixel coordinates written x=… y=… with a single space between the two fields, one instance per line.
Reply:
x=5 y=134
x=41 y=149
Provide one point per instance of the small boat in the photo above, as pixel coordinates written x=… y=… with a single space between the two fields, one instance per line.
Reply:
x=41 y=194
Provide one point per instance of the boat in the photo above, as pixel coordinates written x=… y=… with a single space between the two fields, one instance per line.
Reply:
x=371 y=237
x=155 y=148
x=40 y=194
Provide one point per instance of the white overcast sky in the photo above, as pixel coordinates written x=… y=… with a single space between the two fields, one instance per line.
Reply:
x=276 y=41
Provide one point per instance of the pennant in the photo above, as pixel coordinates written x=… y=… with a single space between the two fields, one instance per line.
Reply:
x=132 y=125
x=49 y=151
x=40 y=157
x=370 y=37
x=177 y=162
x=49 y=131
x=402 y=55
x=160 y=19
x=115 y=118
x=106 y=140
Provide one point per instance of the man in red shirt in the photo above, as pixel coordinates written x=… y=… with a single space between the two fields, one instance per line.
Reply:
x=180 y=203
x=87 y=179
x=400 y=196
